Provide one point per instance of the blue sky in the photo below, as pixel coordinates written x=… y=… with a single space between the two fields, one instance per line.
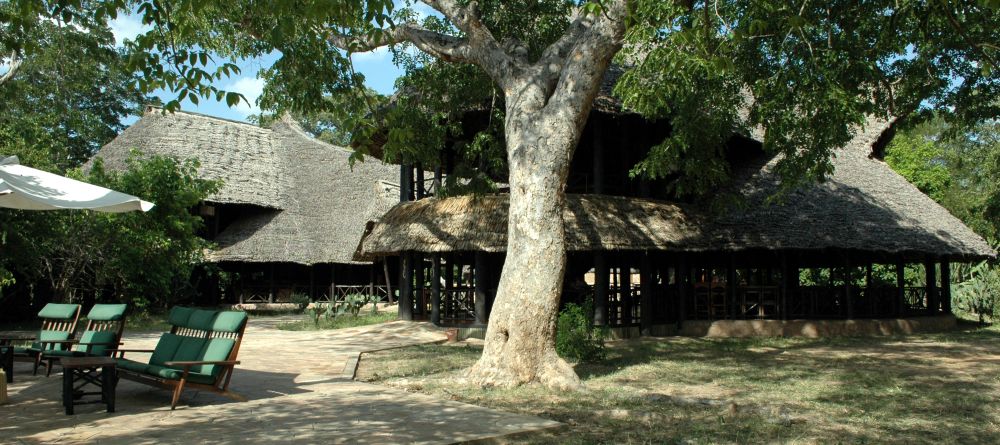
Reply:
x=377 y=67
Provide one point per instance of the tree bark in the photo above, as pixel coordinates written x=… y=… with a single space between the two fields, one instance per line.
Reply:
x=543 y=125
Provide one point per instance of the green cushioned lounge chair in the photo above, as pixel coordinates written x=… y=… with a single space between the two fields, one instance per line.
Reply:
x=58 y=324
x=101 y=336
x=199 y=352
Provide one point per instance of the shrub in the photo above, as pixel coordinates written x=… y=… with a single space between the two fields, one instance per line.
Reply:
x=576 y=337
x=302 y=300
x=980 y=294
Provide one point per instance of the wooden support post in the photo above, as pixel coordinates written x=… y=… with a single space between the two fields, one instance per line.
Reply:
x=404 y=182
x=333 y=283
x=646 y=293
x=479 y=271
x=419 y=303
x=869 y=293
x=848 y=294
x=388 y=282
x=421 y=192
x=783 y=287
x=931 y=283
x=436 y=289
x=683 y=274
x=946 y=287
x=371 y=283
x=270 y=283
x=600 y=289
x=731 y=306
x=406 y=286
x=625 y=288
x=900 y=288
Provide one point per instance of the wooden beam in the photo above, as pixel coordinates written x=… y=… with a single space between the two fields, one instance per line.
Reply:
x=930 y=281
x=436 y=288
x=388 y=282
x=419 y=186
x=600 y=289
x=625 y=288
x=946 y=287
x=404 y=182
x=900 y=288
x=420 y=305
x=646 y=293
x=848 y=294
x=683 y=273
x=406 y=286
x=479 y=273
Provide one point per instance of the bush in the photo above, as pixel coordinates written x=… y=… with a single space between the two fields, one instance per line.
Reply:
x=980 y=294
x=576 y=337
x=302 y=300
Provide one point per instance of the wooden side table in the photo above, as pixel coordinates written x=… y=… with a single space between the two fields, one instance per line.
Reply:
x=97 y=371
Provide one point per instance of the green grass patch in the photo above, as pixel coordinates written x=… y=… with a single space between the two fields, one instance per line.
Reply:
x=343 y=321
x=930 y=388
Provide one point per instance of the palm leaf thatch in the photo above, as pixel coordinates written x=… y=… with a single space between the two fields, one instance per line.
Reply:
x=312 y=205
x=863 y=206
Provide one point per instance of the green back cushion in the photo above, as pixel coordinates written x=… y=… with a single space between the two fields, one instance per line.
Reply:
x=165 y=349
x=229 y=321
x=52 y=336
x=59 y=311
x=107 y=312
x=216 y=349
x=179 y=316
x=201 y=320
x=97 y=337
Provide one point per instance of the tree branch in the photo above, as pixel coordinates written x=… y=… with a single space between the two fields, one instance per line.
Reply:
x=442 y=46
x=15 y=64
x=489 y=54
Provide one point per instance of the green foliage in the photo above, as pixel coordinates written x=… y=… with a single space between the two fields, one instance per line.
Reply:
x=144 y=259
x=302 y=300
x=352 y=304
x=576 y=336
x=70 y=94
x=980 y=294
x=959 y=167
x=315 y=324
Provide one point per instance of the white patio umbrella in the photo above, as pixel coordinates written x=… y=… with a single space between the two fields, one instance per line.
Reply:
x=27 y=188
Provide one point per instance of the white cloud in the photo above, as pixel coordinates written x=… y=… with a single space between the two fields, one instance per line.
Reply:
x=127 y=27
x=251 y=88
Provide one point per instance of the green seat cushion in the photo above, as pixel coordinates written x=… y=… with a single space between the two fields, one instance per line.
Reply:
x=179 y=316
x=65 y=353
x=163 y=372
x=201 y=320
x=97 y=337
x=58 y=311
x=229 y=321
x=215 y=350
x=106 y=312
x=165 y=348
x=131 y=365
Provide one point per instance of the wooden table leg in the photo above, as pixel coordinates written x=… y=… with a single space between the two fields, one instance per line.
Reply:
x=8 y=363
x=68 y=389
x=108 y=381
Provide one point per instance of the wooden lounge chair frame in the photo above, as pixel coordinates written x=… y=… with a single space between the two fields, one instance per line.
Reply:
x=115 y=326
x=48 y=324
x=219 y=386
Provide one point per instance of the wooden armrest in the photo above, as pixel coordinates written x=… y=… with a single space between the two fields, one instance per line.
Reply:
x=59 y=342
x=194 y=363
x=121 y=352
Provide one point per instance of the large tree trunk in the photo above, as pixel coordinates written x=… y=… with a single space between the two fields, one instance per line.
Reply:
x=520 y=337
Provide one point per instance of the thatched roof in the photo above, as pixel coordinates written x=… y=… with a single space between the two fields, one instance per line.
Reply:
x=317 y=204
x=863 y=206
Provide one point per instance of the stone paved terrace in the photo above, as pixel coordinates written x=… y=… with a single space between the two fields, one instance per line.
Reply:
x=297 y=389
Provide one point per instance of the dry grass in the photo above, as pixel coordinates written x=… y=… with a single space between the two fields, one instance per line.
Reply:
x=937 y=388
